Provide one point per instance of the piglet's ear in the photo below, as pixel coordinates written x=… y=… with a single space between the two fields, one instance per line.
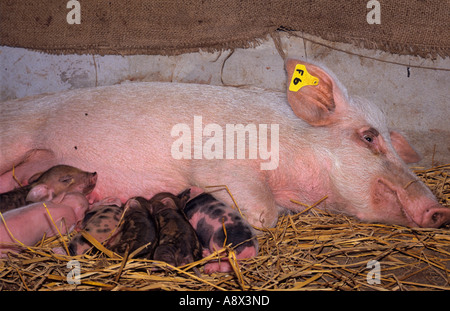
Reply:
x=189 y=194
x=58 y=199
x=112 y=201
x=39 y=193
x=403 y=148
x=35 y=177
x=315 y=104
x=132 y=203
x=169 y=203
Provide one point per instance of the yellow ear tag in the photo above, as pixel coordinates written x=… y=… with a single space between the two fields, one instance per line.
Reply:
x=301 y=78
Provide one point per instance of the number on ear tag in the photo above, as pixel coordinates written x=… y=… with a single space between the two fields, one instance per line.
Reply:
x=301 y=78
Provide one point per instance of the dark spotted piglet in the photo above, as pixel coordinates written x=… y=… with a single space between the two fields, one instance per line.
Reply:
x=137 y=229
x=208 y=215
x=14 y=199
x=100 y=222
x=178 y=242
x=47 y=185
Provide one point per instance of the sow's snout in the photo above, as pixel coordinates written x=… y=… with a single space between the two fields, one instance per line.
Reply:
x=412 y=205
x=435 y=217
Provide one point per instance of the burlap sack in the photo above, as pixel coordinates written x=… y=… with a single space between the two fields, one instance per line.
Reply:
x=416 y=27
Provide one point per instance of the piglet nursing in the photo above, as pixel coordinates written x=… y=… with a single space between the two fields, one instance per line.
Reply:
x=14 y=198
x=44 y=186
x=178 y=242
x=100 y=221
x=30 y=223
x=218 y=225
x=137 y=229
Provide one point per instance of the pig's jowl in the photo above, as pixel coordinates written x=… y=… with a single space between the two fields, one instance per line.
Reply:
x=329 y=144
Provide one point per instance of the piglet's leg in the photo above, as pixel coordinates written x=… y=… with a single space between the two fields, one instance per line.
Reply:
x=223 y=265
x=33 y=161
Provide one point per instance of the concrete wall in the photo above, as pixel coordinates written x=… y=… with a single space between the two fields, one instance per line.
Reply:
x=414 y=92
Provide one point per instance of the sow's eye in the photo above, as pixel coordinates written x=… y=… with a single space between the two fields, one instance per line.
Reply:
x=369 y=137
x=372 y=139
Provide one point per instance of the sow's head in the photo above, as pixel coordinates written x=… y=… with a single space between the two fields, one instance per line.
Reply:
x=367 y=162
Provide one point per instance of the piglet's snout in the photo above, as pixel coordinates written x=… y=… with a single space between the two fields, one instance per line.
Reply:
x=435 y=217
x=92 y=181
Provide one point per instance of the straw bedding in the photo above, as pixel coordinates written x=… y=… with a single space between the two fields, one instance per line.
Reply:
x=307 y=251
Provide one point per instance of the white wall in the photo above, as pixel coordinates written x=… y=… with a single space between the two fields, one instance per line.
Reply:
x=418 y=105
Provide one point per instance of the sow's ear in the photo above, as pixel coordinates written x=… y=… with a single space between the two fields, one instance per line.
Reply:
x=320 y=104
x=403 y=148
